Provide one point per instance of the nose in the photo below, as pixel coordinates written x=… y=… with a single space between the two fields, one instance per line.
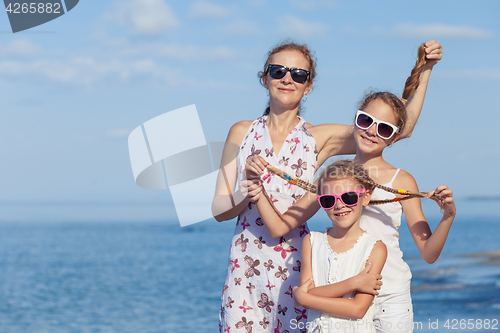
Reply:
x=287 y=78
x=372 y=130
x=339 y=204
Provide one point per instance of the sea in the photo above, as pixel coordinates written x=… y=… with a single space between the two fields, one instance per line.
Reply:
x=115 y=267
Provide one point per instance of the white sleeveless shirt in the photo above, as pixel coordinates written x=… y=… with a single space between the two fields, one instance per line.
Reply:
x=383 y=222
x=330 y=267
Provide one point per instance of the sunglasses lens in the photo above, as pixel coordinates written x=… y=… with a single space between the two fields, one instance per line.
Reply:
x=277 y=72
x=384 y=130
x=364 y=121
x=350 y=198
x=327 y=201
x=299 y=75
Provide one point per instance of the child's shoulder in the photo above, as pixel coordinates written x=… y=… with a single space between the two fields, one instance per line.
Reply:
x=404 y=180
x=312 y=235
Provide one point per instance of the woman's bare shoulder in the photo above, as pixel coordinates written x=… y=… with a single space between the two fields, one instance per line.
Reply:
x=238 y=131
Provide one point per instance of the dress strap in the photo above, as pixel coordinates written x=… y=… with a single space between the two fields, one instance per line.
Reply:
x=395 y=175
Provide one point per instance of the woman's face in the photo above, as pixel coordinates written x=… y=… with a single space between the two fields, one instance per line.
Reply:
x=367 y=140
x=285 y=92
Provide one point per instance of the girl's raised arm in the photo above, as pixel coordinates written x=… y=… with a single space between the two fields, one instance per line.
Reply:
x=414 y=104
x=334 y=139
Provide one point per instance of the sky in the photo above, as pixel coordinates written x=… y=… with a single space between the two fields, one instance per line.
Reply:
x=74 y=88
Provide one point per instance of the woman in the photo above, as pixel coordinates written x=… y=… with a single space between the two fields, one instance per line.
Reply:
x=257 y=293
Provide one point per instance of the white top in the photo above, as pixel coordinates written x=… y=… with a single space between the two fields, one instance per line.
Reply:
x=383 y=222
x=330 y=267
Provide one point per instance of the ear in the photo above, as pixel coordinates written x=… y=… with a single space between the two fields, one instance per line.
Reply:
x=308 y=87
x=264 y=82
x=365 y=199
x=395 y=138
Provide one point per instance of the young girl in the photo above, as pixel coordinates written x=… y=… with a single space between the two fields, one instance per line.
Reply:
x=378 y=124
x=339 y=253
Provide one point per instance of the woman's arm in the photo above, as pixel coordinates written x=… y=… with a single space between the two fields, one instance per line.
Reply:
x=430 y=244
x=341 y=307
x=228 y=203
x=414 y=104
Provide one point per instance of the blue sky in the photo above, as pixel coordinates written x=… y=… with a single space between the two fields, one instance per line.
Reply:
x=74 y=88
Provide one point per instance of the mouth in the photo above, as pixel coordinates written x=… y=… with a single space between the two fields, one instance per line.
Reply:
x=285 y=90
x=342 y=214
x=365 y=139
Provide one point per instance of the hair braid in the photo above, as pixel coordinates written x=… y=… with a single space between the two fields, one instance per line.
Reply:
x=413 y=80
x=347 y=169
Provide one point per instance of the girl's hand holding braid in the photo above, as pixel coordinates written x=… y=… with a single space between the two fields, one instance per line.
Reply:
x=433 y=53
x=444 y=198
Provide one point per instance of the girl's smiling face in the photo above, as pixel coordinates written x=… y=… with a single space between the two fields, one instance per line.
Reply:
x=367 y=140
x=341 y=215
x=285 y=92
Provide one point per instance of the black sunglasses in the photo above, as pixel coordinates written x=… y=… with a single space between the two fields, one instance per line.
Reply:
x=299 y=75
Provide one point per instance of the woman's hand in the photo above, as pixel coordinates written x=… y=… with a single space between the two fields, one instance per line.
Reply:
x=255 y=167
x=299 y=292
x=252 y=189
x=444 y=198
x=367 y=282
x=433 y=53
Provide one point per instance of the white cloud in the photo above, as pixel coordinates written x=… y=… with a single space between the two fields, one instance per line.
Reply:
x=293 y=26
x=87 y=72
x=148 y=17
x=193 y=52
x=81 y=71
x=440 y=31
x=19 y=48
x=204 y=9
x=241 y=28
x=313 y=4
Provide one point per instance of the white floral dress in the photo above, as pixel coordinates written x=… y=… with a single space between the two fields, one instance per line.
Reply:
x=257 y=293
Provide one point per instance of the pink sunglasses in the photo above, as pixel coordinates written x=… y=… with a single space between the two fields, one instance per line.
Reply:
x=349 y=198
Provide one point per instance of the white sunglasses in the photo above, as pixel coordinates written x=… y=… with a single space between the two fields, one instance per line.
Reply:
x=385 y=130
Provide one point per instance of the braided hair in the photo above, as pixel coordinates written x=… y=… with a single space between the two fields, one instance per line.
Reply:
x=347 y=169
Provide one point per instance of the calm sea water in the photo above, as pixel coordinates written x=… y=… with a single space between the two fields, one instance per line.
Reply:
x=81 y=274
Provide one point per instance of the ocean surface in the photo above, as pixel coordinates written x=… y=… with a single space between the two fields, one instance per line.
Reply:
x=132 y=268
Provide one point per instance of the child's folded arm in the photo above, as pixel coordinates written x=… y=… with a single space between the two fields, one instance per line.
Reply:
x=343 y=307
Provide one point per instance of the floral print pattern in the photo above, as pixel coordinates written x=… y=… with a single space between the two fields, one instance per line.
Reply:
x=262 y=271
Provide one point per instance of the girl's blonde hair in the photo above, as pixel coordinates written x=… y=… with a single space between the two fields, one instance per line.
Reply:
x=346 y=169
